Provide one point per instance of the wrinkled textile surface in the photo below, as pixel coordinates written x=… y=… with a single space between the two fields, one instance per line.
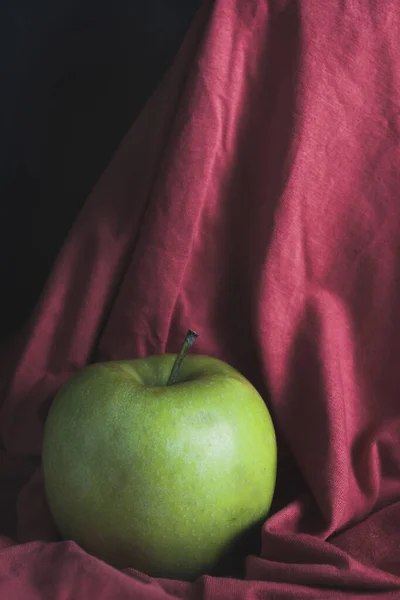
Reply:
x=256 y=200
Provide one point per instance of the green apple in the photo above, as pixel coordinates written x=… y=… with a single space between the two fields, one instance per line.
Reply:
x=161 y=478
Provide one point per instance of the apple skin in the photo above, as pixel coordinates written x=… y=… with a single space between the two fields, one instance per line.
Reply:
x=159 y=478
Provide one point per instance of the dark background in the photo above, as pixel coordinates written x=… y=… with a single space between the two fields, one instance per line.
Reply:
x=74 y=75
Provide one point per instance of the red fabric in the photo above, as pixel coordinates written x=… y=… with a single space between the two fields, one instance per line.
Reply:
x=256 y=200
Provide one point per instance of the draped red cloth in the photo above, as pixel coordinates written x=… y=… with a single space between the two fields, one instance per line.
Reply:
x=256 y=200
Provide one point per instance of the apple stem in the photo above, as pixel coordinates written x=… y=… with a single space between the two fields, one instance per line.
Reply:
x=187 y=344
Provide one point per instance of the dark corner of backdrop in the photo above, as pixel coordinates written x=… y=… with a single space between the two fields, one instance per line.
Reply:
x=75 y=74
